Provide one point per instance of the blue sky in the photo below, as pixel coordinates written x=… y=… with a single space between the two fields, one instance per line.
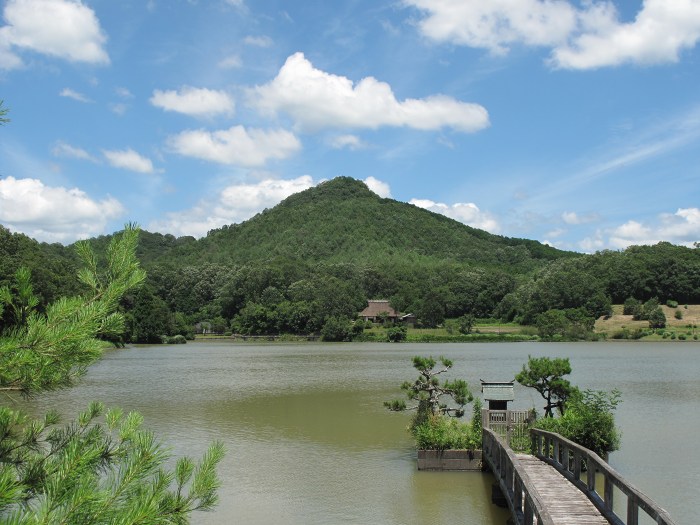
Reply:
x=572 y=123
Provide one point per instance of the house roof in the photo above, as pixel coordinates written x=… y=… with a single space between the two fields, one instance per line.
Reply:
x=498 y=391
x=375 y=308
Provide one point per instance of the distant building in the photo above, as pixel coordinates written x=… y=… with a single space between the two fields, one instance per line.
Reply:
x=377 y=311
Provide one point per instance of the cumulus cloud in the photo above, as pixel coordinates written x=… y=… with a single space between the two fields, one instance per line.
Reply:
x=316 y=99
x=65 y=29
x=53 y=214
x=128 y=159
x=681 y=227
x=235 y=203
x=235 y=146
x=581 y=36
x=196 y=102
x=467 y=213
x=660 y=31
x=380 y=188
x=498 y=24
x=69 y=93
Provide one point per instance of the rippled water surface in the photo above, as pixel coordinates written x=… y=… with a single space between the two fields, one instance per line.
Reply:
x=309 y=442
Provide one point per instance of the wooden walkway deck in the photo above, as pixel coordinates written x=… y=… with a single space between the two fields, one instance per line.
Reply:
x=565 y=503
x=564 y=483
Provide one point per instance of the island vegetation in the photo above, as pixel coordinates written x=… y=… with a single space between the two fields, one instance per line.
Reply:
x=309 y=265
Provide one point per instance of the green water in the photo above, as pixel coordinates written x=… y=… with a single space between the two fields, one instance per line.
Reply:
x=309 y=442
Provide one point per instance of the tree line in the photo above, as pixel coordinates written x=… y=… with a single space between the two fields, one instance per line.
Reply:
x=299 y=297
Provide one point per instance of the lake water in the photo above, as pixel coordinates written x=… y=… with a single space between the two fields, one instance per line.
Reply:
x=309 y=442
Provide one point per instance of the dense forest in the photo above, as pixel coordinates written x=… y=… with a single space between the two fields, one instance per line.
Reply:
x=318 y=256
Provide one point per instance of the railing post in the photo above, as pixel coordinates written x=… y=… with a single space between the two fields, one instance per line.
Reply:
x=517 y=491
x=590 y=474
x=528 y=514
x=608 y=490
x=632 y=511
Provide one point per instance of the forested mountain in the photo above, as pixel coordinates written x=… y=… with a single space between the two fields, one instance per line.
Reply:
x=342 y=221
x=322 y=253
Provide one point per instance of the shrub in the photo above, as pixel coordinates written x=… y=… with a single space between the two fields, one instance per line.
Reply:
x=672 y=304
x=443 y=432
x=678 y=314
x=630 y=305
x=396 y=334
x=337 y=329
x=588 y=421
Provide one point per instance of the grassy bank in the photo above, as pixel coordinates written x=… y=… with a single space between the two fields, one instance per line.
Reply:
x=620 y=326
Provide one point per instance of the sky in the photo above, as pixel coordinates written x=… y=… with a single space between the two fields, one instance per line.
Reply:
x=574 y=123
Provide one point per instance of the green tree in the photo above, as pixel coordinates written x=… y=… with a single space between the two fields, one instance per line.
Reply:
x=337 y=329
x=149 y=318
x=466 y=322
x=657 y=318
x=546 y=375
x=396 y=334
x=427 y=392
x=102 y=467
x=22 y=300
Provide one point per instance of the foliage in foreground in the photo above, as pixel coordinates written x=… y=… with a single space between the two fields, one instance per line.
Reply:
x=97 y=472
x=86 y=471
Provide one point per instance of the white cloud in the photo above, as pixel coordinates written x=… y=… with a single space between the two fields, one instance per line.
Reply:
x=64 y=29
x=585 y=37
x=69 y=93
x=128 y=159
x=681 y=227
x=660 y=31
x=62 y=149
x=467 y=213
x=316 y=99
x=236 y=146
x=351 y=142
x=380 y=188
x=258 y=41
x=235 y=203
x=53 y=214
x=196 y=102
x=497 y=24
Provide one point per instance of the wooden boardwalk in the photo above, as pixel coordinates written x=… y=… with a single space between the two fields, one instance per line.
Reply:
x=564 y=483
x=565 y=503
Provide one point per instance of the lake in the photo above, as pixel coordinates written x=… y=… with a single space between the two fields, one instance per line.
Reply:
x=309 y=442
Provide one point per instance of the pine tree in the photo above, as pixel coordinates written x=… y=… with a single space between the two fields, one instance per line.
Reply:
x=102 y=467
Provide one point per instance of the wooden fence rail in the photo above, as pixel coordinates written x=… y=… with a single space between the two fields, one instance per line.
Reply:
x=572 y=460
x=525 y=503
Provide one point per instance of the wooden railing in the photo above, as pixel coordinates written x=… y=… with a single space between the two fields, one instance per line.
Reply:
x=525 y=503
x=511 y=425
x=573 y=460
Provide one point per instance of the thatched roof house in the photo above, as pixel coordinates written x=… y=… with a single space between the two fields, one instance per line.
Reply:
x=375 y=310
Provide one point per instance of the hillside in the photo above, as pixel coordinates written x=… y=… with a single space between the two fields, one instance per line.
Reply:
x=342 y=221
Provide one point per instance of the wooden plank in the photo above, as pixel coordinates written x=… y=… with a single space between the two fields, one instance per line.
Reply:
x=565 y=503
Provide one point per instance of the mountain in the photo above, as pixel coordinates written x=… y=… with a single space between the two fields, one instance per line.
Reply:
x=342 y=221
